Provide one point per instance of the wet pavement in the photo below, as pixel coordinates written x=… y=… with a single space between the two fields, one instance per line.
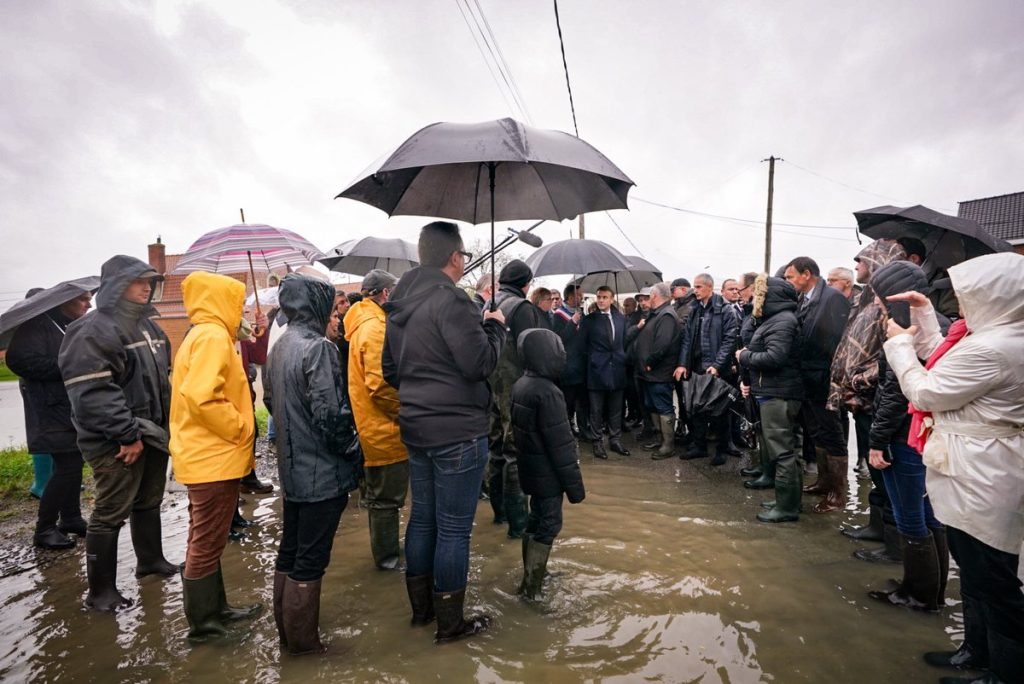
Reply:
x=662 y=574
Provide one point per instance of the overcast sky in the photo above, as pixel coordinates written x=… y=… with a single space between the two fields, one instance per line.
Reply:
x=122 y=121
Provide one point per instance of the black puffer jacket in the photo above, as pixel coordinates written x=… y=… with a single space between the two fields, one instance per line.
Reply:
x=772 y=356
x=438 y=355
x=32 y=355
x=891 y=422
x=547 y=451
x=116 y=366
x=317 y=446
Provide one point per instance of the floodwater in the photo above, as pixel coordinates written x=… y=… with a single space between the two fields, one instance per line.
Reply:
x=662 y=574
x=12 y=415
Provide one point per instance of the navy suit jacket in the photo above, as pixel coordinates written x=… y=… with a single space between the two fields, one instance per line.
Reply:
x=606 y=358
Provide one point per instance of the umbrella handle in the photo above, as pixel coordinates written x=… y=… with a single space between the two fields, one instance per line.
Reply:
x=257 y=331
x=490 y=182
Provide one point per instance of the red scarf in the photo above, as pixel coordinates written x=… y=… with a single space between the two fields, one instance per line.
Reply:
x=918 y=432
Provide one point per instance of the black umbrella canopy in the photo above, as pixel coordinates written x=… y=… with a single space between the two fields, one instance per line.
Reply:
x=41 y=302
x=360 y=256
x=642 y=274
x=707 y=395
x=577 y=257
x=949 y=240
x=443 y=171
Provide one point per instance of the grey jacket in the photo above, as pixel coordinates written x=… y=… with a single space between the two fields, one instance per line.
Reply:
x=318 y=452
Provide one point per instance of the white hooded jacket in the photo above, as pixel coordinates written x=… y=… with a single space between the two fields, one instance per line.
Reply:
x=975 y=454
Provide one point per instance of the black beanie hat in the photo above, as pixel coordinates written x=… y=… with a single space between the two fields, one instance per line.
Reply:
x=516 y=273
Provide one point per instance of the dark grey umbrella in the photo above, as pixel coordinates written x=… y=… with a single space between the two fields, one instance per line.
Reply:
x=642 y=274
x=41 y=302
x=949 y=240
x=492 y=171
x=360 y=256
x=706 y=395
x=577 y=257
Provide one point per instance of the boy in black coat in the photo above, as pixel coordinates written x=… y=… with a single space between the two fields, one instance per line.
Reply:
x=548 y=466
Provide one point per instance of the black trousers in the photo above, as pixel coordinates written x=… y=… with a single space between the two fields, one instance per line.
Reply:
x=823 y=427
x=307 y=537
x=605 y=402
x=545 y=521
x=988 y=578
x=631 y=402
x=577 y=405
x=62 y=496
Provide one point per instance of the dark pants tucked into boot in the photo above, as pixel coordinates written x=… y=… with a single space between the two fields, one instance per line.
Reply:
x=386 y=488
x=61 y=499
x=101 y=570
x=919 y=589
x=514 y=500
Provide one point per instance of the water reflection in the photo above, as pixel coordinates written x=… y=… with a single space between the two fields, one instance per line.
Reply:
x=662 y=575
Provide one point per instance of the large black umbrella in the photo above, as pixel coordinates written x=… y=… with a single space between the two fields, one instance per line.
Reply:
x=359 y=257
x=577 y=257
x=948 y=240
x=641 y=274
x=706 y=395
x=41 y=302
x=492 y=171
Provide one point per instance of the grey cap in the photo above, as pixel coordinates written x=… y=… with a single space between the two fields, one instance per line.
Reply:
x=377 y=280
x=646 y=292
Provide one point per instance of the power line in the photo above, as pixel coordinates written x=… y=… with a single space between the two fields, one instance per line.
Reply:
x=504 y=63
x=735 y=219
x=565 y=67
x=631 y=243
x=483 y=56
x=853 y=187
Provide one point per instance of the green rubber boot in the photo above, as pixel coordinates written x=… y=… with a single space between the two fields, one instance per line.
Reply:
x=788 y=483
x=202 y=606
x=535 y=566
x=42 y=469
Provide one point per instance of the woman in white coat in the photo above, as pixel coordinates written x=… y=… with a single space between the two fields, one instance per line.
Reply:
x=975 y=451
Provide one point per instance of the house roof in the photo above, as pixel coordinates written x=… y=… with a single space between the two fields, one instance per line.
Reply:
x=1002 y=216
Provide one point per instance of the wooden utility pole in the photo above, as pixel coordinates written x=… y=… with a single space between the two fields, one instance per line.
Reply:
x=768 y=220
x=583 y=229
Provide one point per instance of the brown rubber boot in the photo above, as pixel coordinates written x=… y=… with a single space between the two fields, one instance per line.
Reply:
x=301 y=608
x=835 y=497
x=821 y=485
x=279 y=578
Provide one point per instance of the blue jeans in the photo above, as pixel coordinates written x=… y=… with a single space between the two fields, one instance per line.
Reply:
x=445 y=483
x=271 y=432
x=658 y=398
x=904 y=482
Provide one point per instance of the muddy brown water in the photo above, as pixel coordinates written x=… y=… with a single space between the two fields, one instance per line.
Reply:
x=662 y=574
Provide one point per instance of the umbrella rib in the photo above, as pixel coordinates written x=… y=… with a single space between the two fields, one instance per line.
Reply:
x=535 y=167
x=476 y=195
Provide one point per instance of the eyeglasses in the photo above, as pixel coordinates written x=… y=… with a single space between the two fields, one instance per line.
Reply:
x=468 y=256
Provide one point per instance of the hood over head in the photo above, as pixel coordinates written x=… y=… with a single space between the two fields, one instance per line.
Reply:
x=307 y=302
x=542 y=352
x=894 y=278
x=879 y=253
x=213 y=298
x=772 y=295
x=990 y=289
x=413 y=287
x=117 y=274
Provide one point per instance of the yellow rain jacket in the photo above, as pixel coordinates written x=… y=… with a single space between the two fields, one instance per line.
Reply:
x=374 y=402
x=212 y=423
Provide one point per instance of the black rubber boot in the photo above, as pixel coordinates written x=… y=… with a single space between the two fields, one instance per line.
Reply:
x=973 y=652
x=788 y=480
x=890 y=551
x=202 y=606
x=149 y=546
x=695 y=450
x=300 y=607
x=451 y=622
x=1006 y=657
x=721 y=455
x=384 y=544
x=515 y=501
x=873 y=531
x=535 y=565
x=279 y=578
x=238 y=521
x=765 y=477
x=495 y=488
x=252 y=484
x=421 y=598
x=76 y=526
x=101 y=569
x=52 y=539
x=229 y=613
x=920 y=585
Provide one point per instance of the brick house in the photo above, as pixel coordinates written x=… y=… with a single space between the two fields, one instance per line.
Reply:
x=1002 y=216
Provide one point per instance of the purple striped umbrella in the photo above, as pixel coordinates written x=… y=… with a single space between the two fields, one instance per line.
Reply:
x=227 y=250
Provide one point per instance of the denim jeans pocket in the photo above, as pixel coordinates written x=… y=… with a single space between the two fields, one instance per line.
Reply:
x=460 y=458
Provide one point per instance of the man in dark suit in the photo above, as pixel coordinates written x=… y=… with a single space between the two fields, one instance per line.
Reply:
x=603 y=336
x=822 y=314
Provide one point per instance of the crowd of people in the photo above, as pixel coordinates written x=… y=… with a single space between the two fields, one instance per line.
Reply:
x=417 y=387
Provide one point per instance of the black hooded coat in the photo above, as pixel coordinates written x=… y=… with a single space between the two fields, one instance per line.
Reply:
x=116 y=364
x=438 y=355
x=772 y=357
x=547 y=451
x=317 y=446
